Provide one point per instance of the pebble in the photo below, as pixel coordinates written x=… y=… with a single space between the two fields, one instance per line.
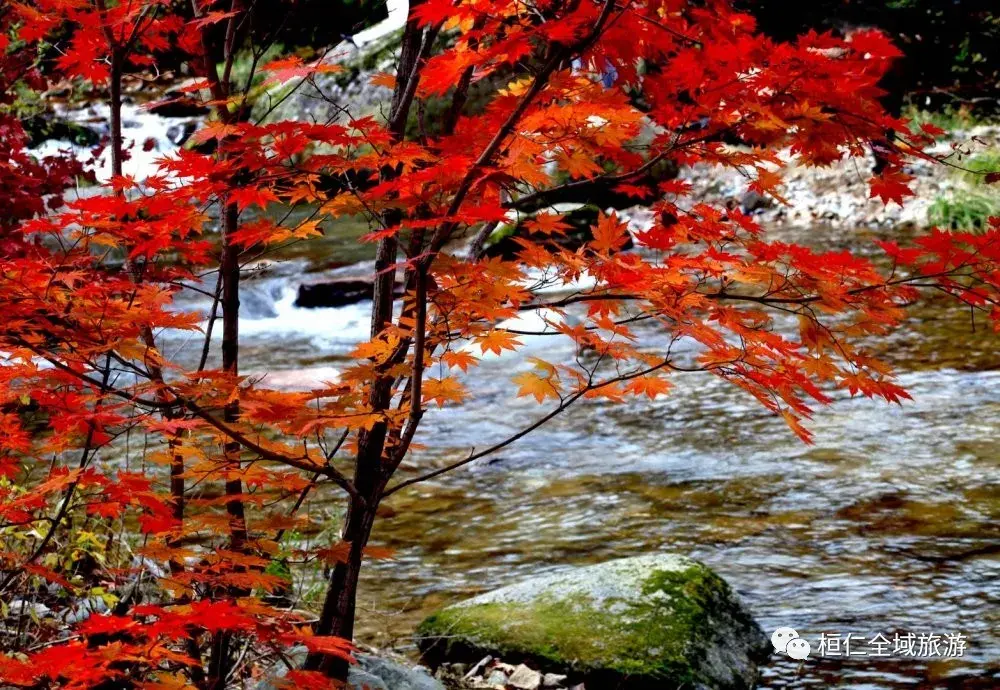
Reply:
x=496 y=679
x=524 y=678
x=553 y=680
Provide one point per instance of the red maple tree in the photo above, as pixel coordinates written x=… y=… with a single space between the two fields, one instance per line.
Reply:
x=533 y=100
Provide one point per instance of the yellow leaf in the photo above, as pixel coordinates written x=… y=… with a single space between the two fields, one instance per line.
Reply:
x=530 y=383
x=542 y=365
x=378 y=350
x=443 y=390
x=307 y=229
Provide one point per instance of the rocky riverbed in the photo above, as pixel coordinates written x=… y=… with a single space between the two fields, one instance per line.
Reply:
x=838 y=195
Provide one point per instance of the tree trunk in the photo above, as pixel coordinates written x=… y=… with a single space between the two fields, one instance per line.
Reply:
x=229 y=267
x=337 y=617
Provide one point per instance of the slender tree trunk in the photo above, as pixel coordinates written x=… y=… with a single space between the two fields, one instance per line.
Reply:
x=221 y=656
x=155 y=371
x=229 y=267
x=337 y=617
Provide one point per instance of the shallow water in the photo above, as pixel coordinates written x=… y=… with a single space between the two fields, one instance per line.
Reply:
x=884 y=525
x=879 y=527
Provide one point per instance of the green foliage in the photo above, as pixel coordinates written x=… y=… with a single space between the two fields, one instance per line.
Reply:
x=948 y=118
x=980 y=165
x=965 y=210
x=971 y=206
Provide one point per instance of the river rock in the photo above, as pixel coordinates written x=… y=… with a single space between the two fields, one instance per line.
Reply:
x=393 y=674
x=656 y=621
x=372 y=672
x=553 y=680
x=323 y=97
x=41 y=128
x=524 y=678
x=334 y=293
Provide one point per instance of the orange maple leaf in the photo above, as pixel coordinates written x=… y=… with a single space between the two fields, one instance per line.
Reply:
x=459 y=358
x=530 y=383
x=610 y=233
x=497 y=341
x=548 y=223
x=443 y=391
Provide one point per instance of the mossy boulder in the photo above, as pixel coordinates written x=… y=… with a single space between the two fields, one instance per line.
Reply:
x=659 y=621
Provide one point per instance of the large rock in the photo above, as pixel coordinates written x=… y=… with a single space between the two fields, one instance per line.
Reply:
x=334 y=293
x=658 y=621
x=324 y=97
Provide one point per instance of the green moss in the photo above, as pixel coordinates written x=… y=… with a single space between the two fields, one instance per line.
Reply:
x=501 y=233
x=663 y=637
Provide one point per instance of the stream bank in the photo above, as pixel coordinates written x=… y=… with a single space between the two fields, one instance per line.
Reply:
x=883 y=525
x=837 y=196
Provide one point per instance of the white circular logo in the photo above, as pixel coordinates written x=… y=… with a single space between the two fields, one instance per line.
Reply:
x=781 y=637
x=797 y=648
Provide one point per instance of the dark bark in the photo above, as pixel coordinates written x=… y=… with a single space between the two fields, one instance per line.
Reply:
x=337 y=617
x=221 y=657
x=230 y=268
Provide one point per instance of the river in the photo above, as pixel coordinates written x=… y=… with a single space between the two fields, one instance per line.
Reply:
x=882 y=526
x=875 y=528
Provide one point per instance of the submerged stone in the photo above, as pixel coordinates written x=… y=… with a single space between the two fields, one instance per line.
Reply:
x=372 y=672
x=393 y=675
x=657 y=621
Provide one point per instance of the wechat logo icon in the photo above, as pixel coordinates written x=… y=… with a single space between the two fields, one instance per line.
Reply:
x=787 y=641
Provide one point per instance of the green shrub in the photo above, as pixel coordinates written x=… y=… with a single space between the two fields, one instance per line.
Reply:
x=948 y=118
x=965 y=210
x=979 y=166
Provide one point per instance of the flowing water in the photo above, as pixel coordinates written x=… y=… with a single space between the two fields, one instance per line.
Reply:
x=886 y=524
